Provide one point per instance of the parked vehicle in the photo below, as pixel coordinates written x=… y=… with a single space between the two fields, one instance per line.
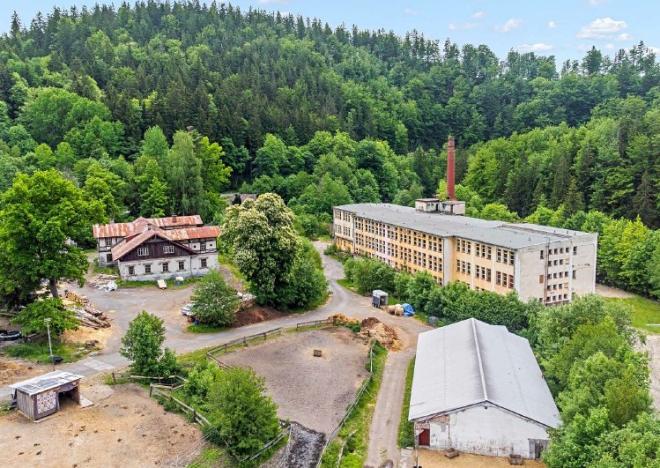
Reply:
x=6 y=335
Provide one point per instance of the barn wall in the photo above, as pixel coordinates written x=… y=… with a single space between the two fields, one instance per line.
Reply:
x=486 y=431
x=25 y=404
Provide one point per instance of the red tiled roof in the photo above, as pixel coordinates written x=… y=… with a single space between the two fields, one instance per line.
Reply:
x=124 y=229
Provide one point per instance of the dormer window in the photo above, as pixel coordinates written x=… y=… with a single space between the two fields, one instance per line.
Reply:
x=168 y=249
x=143 y=251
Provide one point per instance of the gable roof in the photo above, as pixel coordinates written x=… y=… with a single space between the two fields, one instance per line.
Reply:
x=471 y=362
x=122 y=248
x=125 y=229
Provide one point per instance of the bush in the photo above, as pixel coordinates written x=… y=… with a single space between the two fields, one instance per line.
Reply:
x=242 y=415
x=31 y=319
x=142 y=345
x=366 y=275
x=306 y=285
x=215 y=302
x=199 y=382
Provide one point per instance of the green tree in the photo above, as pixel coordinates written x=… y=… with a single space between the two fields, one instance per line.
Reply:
x=263 y=243
x=305 y=285
x=214 y=301
x=242 y=415
x=155 y=201
x=499 y=212
x=43 y=219
x=32 y=317
x=142 y=346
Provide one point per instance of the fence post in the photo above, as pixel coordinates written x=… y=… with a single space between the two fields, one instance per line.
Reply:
x=151 y=389
x=114 y=379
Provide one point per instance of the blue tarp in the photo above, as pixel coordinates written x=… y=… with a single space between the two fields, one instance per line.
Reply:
x=408 y=310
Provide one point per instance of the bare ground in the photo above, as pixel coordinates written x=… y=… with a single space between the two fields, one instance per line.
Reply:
x=313 y=391
x=124 y=428
x=437 y=459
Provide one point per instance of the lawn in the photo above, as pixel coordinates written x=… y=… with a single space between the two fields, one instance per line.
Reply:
x=204 y=328
x=349 y=448
x=39 y=353
x=645 y=312
x=406 y=436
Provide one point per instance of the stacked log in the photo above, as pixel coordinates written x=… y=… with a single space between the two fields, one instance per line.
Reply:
x=91 y=317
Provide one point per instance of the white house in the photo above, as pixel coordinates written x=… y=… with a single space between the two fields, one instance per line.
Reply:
x=477 y=388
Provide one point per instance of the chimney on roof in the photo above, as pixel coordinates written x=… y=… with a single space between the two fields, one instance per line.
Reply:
x=451 y=156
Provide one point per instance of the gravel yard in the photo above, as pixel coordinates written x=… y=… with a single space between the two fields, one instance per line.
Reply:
x=124 y=428
x=313 y=391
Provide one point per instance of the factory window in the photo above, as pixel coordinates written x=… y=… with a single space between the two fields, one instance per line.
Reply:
x=574 y=274
x=541 y=255
x=575 y=250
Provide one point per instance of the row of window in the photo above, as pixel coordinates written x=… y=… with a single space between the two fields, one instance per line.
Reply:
x=554 y=287
x=558 y=251
x=504 y=279
x=167 y=249
x=482 y=273
x=483 y=251
x=165 y=266
x=559 y=274
x=343 y=216
x=508 y=257
x=555 y=298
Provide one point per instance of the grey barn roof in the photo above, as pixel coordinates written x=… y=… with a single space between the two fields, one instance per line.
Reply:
x=45 y=382
x=512 y=236
x=471 y=362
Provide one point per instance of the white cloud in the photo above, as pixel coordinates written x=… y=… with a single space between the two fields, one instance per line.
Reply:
x=410 y=12
x=624 y=37
x=536 y=47
x=478 y=14
x=552 y=24
x=601 y=28
x=461 y=26
x=655 y=50
x=509 y=25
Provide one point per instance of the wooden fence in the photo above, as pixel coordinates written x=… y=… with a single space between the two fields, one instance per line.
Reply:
x=166 y=392
x=352 y=406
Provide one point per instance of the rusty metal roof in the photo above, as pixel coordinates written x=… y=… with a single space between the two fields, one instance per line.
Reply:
x=124 y=229
x=173 y=235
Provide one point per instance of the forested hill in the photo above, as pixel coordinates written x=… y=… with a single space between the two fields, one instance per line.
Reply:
x=159 y=107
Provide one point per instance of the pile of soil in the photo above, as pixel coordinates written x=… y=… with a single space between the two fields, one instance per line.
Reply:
x=303 y=450
x=256 y=314
x=371 y=327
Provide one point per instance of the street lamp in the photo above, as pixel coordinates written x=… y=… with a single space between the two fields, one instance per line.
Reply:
x=50 y=344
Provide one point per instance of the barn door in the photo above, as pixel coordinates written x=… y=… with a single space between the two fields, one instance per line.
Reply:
x=424 y=437
x=536 y=447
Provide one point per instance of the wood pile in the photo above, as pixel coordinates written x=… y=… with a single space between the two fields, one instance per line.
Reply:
x=86 y=313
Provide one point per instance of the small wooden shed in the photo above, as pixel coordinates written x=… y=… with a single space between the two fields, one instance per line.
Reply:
x=40 y=396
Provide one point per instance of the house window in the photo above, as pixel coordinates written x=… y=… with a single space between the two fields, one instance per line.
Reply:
x=143 y=251
x=575 y=250
x=147 y=268
x=131 y=270
x=182 y=265
x=574 y=274
x=168 y=249
x=108 y=257
x=166 y=267
x=203 y=260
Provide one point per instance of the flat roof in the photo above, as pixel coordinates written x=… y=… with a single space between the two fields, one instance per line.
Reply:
x=471 y=362
x=45 y=382
x=509 y=235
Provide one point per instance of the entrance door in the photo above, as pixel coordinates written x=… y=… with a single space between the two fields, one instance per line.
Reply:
x=536 y=447
x=424 y=437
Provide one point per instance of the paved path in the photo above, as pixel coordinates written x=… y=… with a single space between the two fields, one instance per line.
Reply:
x=124 y=304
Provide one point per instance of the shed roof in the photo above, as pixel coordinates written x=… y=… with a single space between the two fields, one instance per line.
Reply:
x=509 y=235
x=471 y=362
x=45 y=382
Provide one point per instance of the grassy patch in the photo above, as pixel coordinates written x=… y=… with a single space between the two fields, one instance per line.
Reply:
x=354 y=435
x=210 y=457
x=204 y=328
x=406 y=436
x=171 y=283
x=226 y=261
x=644 y=312
x=104 y=270
x=190 y=360
x=38 y=352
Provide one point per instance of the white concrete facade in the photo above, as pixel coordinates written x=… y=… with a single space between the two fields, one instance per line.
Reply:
x=185 y=266
x=486 y=429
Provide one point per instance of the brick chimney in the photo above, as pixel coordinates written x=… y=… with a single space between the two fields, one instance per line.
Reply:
x=451 y=156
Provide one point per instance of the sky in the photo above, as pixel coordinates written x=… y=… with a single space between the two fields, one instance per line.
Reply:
x=564 y=28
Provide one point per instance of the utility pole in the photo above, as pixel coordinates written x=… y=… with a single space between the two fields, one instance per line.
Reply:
x=50 y=345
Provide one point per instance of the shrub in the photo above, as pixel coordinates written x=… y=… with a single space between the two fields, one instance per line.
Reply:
x=142 y=345
x=366 y=275
x=215 y=302
x=31 y=319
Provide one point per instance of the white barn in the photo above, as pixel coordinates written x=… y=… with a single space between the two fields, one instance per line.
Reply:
x=477 y=388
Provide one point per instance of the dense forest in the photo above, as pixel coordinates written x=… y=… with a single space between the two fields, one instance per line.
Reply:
x=158 y=108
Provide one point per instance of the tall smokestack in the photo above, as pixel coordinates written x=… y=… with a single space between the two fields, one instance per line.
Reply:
x=451 y=156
